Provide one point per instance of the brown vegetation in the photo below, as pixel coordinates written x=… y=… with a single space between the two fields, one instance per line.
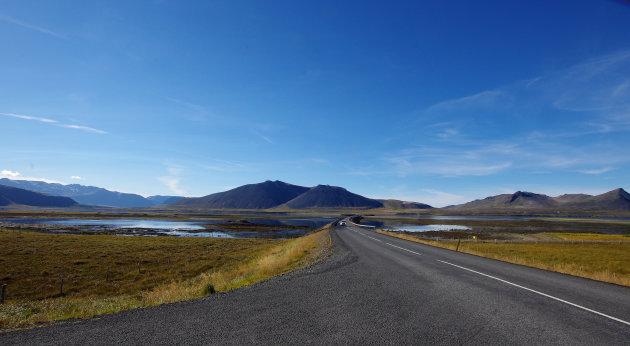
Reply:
x=110 y=273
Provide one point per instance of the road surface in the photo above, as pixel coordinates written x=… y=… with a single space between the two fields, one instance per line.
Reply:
x=375 y=289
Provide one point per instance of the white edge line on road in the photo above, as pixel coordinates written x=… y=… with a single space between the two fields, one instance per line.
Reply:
x=511 y=283
x=365 y=235
x=540 y=293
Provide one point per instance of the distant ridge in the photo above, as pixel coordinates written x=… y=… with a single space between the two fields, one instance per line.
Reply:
x=15 y=196
x=518 y=199
x=615 y=200
x=325 y=196
x=264 y=195
x=398 y=204
x=163 y=200
x=89 y=195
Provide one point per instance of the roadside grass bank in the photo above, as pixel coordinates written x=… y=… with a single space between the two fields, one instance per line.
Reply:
x=104 y=274
x=595 y=259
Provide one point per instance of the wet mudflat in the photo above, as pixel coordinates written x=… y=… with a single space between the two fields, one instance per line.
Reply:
x=207 y=227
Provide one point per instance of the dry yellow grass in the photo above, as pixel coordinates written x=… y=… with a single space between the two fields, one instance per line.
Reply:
x=590 y=237
x=603 y=261
x=259 y=260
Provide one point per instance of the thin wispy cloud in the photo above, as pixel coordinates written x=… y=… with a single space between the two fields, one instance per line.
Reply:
x=172 y=180
x=265 y=138
x=84 y=128
x=76 y=177
x=484 y=99
x=596 y=171
x=26 y=25
x=190 y=105
x=54 y=122
x=28 y=117
x=173 y=184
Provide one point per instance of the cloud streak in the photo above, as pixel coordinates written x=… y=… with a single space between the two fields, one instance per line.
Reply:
x=28 y=117
x=17 y=22
x=84 y=128
x=5 y=173
x=54 y=122
x=173 y=184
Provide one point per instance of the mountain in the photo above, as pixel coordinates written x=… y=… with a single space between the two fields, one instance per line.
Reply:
x=325 y=196
x=518 y=199
x=264 y=195
x=12 y=195
x=397 y=204
x=571 y=198
x=159 y=201
x=90 y=195
x=617 y=199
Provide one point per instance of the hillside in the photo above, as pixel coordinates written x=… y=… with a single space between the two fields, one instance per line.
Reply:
x=325 y=196
x=89 y=195
x=615 y=200
x=15 y=196
x=264 y=195
x=398 y=204
x=518 y=199
x=158 y=200
x=571 y=198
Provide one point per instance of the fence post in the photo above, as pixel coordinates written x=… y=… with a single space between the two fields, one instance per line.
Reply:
x=4 y=290
x=139 y=267
x=107 y=274
x=457 y=248
x=61 y=287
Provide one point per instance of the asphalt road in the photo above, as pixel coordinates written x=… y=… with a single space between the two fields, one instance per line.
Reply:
x=375 y=289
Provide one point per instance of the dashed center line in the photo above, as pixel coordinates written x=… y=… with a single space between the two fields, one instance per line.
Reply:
x=402 y=248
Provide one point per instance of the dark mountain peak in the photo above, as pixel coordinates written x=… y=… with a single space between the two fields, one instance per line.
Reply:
x=621 y=192
x=267 y=194
x=398 y=204
x=328 y=187
x=326 y=196
x=519 y=194
x=13 y=195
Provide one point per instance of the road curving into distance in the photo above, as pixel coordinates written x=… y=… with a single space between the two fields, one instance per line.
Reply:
x=376 y=289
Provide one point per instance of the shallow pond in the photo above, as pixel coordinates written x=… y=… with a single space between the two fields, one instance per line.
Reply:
x=428 y=228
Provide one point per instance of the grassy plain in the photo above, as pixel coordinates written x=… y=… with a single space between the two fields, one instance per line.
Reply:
x=602 y=260
x=101 y=273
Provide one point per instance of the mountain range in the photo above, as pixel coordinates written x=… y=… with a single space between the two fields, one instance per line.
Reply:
x=617 y=200
x=281 y=195
x=10 y=196
x=91 y=195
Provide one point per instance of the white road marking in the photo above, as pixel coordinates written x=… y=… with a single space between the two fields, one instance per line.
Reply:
x=402 y=248
x=513 y=284
x=540 y=293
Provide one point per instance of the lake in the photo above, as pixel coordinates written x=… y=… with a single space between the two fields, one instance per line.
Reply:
x=181 y=228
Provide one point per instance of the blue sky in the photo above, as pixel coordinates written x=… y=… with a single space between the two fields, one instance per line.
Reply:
x=437 y=102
